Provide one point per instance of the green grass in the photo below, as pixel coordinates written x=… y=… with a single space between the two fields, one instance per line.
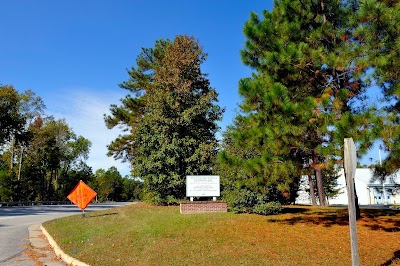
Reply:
x=149 y=235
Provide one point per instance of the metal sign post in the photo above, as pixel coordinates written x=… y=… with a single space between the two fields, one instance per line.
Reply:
x=350 y=166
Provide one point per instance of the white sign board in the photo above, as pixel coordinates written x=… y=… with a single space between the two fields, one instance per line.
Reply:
x=202 y=186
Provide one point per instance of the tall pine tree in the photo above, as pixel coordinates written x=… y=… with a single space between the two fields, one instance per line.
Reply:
x=305 y=94
x=172 y=119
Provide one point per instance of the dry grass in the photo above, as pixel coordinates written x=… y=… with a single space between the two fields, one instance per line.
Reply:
x=148 y=235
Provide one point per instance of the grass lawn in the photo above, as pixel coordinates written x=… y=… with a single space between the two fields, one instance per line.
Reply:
x=148 y=235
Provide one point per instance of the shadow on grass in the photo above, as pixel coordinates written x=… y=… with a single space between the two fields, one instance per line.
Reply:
x=101 y=215
x=295 y=210
x=387 y=221
x=372 y=213
x=326 y=220
x=390 y=226
x=392 y=260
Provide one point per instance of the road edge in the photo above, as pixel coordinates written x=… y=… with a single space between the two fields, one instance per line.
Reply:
x=59 y=252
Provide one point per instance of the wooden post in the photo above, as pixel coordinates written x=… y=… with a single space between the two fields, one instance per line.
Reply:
x=350 y=166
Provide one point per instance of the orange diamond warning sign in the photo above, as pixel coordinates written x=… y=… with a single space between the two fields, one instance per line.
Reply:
x=82 y=195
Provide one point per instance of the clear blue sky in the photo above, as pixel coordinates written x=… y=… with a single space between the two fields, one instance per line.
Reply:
x=74 y=54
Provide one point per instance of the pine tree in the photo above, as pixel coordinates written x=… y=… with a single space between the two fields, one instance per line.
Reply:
x=377 y=31
x=172 y=119
x=305 y=94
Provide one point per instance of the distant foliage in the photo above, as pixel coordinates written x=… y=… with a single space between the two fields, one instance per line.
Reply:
x=8 y=183
x=111 y=186
x=41 y=158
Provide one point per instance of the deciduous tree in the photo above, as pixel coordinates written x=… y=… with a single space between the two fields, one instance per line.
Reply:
x=11 y=119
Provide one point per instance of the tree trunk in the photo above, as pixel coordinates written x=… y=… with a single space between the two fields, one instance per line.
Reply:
x=12 y=152
x=312 y=190
x=318 y=176
x=320 y=186
x=358 y=213
x=20 y=163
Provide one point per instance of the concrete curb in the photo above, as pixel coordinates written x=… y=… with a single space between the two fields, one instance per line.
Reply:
x=65 y=257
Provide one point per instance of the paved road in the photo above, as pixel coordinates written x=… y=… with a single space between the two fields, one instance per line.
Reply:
x=14 y=223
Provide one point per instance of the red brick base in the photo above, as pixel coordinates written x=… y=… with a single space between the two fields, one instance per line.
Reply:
x=203 y=206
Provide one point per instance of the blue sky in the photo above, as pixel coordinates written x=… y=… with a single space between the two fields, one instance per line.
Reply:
x=74 y=54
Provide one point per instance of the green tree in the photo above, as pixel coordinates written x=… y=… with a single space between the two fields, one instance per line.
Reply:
x=70 y=177
x=18 y=110
x=305 y=95
x=132 y=189
x=7 y=183
x=11 y=120
x=109 y=184
x=39 y=157
x=51 y=154
x=377 y=31
x=171 y=119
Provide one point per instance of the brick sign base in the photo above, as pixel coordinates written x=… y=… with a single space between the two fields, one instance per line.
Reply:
x=203 y=206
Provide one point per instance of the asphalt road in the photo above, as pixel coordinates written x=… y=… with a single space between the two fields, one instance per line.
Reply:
x=14 y=223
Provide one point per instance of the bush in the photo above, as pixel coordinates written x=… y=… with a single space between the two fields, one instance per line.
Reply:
x=171 y=200
x=153 y=198
x=268 y=208
x=156 y=199
x=246 y=201
x=240 y=201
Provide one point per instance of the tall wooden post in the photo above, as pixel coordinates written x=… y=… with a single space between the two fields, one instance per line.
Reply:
x=350 y=166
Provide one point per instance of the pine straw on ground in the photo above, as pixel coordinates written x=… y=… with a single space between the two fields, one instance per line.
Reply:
x=148 y=235
x=34 y=253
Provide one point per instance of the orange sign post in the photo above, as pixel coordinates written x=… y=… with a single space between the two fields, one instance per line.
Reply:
x=82 y=195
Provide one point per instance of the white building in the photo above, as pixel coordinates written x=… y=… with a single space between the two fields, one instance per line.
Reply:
x=368 y=192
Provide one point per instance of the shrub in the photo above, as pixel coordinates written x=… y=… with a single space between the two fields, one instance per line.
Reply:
x=171 y=200
x=246 y=201
x=153 y=198
x=156 y=199
x=240 y=201
x=268 y=208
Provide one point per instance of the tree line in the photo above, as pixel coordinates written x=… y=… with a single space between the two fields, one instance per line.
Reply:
x=42 y=159
x=314 y=65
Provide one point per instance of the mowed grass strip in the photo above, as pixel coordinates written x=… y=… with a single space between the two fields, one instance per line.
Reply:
x=142 y=234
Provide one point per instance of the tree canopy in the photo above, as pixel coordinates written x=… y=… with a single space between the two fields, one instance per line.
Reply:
x=170 y=118
x=41 y=158
x=306 y=94
x=377 y=30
